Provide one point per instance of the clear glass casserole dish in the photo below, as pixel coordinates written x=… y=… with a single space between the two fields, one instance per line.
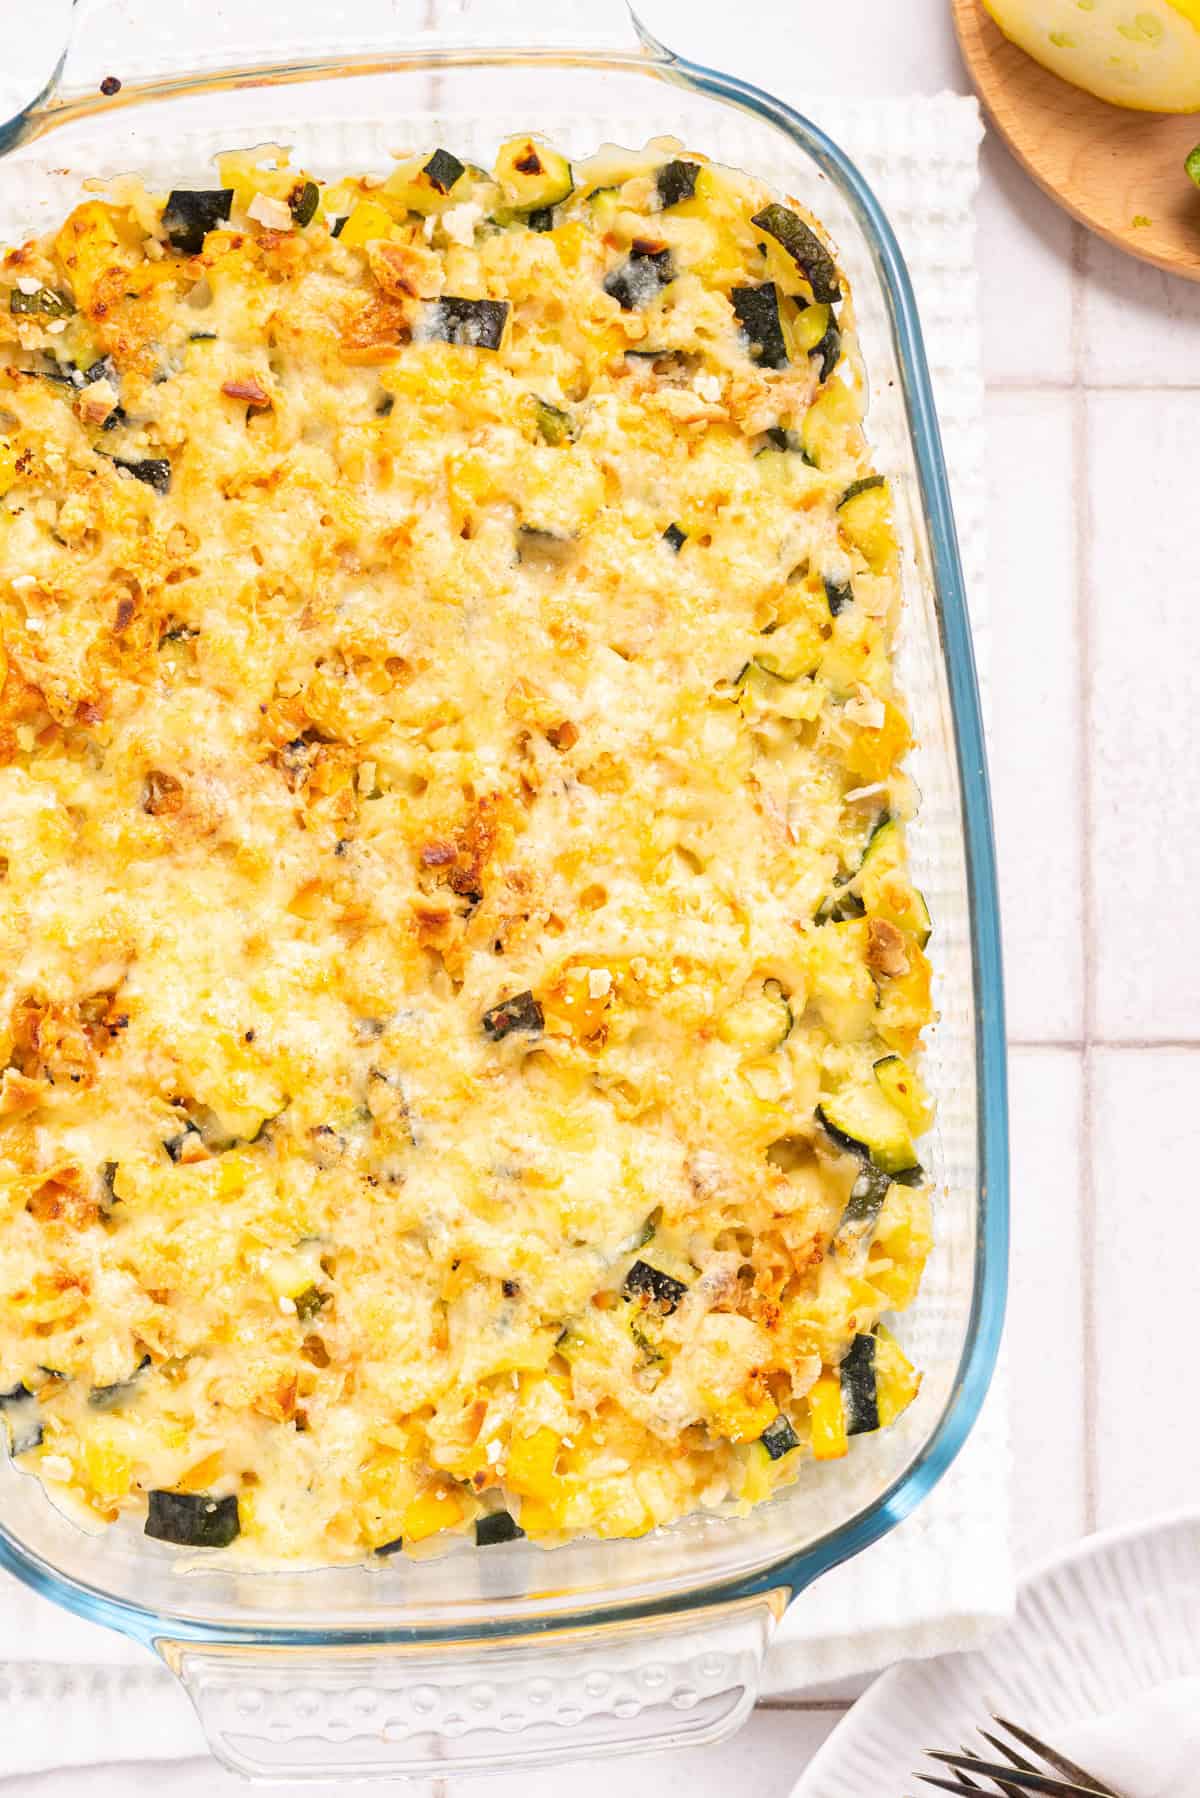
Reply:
x=522 y=1655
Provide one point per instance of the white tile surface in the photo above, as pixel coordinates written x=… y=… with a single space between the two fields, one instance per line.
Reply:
x=1046 y=1313
x=181 y=1779
x=1035 y=743
x=1142 y=720
x=1139 y=325
x=912 y=51
x=1026 y=245
x=1146 y=1132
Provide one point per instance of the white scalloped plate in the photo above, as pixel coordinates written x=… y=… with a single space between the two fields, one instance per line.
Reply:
x=1093 y=1629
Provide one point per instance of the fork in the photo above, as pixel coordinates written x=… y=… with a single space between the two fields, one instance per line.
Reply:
x=1016 y=1775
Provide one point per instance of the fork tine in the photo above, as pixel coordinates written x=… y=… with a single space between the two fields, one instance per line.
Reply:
x=1009 y=1791
x=1058 y=1761
x=947 y=1785
x=970 y=1782
x=1046 y=1783
x=1010 y=1753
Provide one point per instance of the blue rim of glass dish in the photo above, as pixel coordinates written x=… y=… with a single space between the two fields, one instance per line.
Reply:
x=991 y=1250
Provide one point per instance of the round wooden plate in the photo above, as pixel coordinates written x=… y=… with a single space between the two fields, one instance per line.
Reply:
x=1108 y=166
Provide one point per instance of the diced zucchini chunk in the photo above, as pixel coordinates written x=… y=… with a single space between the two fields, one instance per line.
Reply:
x=653 y=1288
x=799 y=700
x=761 y=1023
x=757 y=312
x=193 y=1519
x=861 y=1118
x=886 y=889
x=827 y=423
x=779 y=1438
x=532 y=175
x=897 y=1381
x=792 y=651
x=191 y=213
x=865 y=514
x=676 y=182
x=555 y=425
x=859 y=1399
x=805 y=248
x=904 y=1089
x=863 y=1207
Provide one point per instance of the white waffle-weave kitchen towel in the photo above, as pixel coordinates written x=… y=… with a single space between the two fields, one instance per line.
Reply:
x=74 y=1694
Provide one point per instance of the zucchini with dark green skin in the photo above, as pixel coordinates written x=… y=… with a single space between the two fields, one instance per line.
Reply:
x=540 y=219
x=780 y=439
x=829 y=349
x=805 y=249
x=779 y=1438
x=838 y=595
x=476 y=323
x=866 y=1201
x=303 y=203
x=882 y=853
x=310 y=1302
x=19 y=1408
x=534 y=178
x=192 y=212
x=653 y=1287
x=674 y=537
x=154 y=471
x=496 y=1526
x=111 y=1398
x=45 y=303
x=639 y=280
x=676 y=182
x=389 y=1548
x=442 y=170
x=521 y=1012
x=839 y=908
x=1192 y=165
x=757 y=312
x=861 y=1120
x=859 y=1396
x=863 y=486
x=193 y=1519
x=555 y=425
x=338 y=225
x=175 y=1145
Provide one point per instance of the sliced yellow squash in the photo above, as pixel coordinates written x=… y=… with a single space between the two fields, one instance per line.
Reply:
x=1143 y=54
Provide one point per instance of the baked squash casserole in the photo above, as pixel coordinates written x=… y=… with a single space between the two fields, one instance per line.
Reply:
x=463 y=986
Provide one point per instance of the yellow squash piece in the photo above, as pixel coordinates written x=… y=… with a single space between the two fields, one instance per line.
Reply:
x=829 y=1440
x=897 y=1381
x=438 y=1509
x=368 y=220
x=1143 y=54
x=530 y=1467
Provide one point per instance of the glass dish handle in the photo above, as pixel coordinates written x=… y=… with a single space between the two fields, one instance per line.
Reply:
x=91 y=59
x=359 y=1711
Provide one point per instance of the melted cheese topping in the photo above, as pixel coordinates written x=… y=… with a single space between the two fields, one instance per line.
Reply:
x=448 y=896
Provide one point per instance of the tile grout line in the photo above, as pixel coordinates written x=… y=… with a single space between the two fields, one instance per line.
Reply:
x=1077 y=1044
x=814 y=1707
x=1083 y=620
x=1078 y=383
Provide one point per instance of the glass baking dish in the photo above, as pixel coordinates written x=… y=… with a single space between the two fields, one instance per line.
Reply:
x=466 y=1661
